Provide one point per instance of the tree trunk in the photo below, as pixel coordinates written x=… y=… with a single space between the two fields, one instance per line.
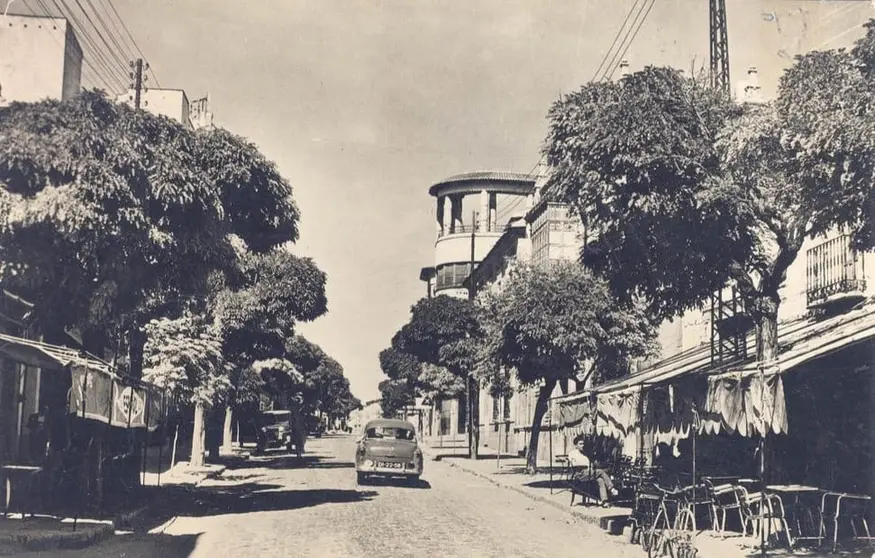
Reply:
x=540 y=410
x=136 y=344
x=197 y=437
x=473 y=402
x=227 y=437
x=766 y=316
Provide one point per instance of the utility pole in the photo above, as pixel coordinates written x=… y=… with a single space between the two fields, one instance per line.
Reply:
x=139 y=80
x=473 y=437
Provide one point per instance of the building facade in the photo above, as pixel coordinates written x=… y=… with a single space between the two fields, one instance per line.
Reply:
x=40 y=58
x=472 y=212
x=174 y=104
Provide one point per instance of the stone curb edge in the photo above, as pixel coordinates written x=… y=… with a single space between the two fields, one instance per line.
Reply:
x=11 y=544
x=603 y=523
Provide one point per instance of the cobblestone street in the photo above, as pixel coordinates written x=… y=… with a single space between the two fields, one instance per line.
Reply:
x=269 y=507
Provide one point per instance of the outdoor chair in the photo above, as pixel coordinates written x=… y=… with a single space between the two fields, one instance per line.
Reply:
x=582 y=483
x=763 y=512
x=724 y=498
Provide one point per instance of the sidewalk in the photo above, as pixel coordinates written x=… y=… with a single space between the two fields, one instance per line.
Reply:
x=509 y=472
x=41 y=533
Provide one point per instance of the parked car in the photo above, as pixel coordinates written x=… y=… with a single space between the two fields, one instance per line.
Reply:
x=276 y=431
x=315 y=428
x=388 y=448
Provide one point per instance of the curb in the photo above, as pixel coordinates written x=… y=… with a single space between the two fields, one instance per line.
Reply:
x=609 y=524
x=13 y=543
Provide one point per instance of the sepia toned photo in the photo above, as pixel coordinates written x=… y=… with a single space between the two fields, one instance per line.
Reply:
x=437 y=278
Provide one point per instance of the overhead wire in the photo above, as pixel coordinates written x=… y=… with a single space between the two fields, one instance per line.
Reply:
x=131 y=38
x=98 y=76
x=118 y=75
x=614 y=42
x=619 y=58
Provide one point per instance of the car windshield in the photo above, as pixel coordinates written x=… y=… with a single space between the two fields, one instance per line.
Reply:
x=390 y=432
x=280 y=418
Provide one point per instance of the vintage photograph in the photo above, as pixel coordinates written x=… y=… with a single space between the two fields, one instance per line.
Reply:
x=437 y=278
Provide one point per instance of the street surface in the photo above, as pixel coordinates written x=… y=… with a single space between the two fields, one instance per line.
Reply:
x=271 y=507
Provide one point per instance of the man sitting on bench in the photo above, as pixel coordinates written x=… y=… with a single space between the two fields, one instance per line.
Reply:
x=578 y=459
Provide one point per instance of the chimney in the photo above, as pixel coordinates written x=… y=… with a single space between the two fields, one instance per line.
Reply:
x=751 y=90
x=624 y=67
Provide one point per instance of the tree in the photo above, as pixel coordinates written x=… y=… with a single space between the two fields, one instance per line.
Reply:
x=395 y=395
x=683 y=191
x=549 y=324
x=184 y=355
x=113 y=216
x=256 y=310
x=825 y=106
x=444 y=331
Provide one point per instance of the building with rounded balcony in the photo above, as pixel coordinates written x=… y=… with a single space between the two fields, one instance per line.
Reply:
x=471 y=213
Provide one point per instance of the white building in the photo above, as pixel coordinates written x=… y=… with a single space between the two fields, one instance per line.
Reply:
x=476 y=207
x=40 y=58
x=174 y=104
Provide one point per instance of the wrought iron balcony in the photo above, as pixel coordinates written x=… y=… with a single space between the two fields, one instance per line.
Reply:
x=834 y=273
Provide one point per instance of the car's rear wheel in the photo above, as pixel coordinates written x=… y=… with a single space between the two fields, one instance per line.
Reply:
x=413 y=480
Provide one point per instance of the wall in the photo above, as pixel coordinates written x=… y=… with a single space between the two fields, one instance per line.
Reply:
x=171 y=103
x=39 y=58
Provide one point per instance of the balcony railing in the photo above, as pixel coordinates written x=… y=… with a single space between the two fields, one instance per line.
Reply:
x=835 y=272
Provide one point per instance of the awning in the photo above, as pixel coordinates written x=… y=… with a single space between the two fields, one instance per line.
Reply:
x=97 y=392
x=48 y=357
x=730 y=405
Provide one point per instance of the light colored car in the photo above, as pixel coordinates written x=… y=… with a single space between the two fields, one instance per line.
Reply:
x=388 y=448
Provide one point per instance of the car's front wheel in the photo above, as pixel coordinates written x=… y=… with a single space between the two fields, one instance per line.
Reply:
x=360 y=478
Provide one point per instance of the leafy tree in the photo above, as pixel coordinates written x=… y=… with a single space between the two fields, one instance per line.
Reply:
x=827 y=121
x=549 y=324
x=185 y=356
x=112 y=216
x=398 y=365
x=444 y=331
x=683 y=191
x=395 y=395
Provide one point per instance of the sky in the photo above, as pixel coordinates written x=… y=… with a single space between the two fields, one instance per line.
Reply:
x=363 y=104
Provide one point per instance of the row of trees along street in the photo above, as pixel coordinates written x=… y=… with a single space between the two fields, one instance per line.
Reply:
x=680 y=192
x=167 y=249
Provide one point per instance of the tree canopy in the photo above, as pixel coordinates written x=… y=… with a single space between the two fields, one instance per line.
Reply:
x=112 y=216
x=551 y=323
x=684 y=191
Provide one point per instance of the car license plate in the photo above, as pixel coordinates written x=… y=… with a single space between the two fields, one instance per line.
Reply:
x=390 y=465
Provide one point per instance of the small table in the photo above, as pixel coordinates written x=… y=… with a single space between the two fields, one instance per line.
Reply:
x=801 y=510
x=839 y=497
x=10 y=471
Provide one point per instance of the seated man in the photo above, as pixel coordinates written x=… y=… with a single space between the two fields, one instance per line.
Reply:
x=578 y=459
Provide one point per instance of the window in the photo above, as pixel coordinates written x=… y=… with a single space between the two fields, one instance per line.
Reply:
x=390 y=432
x=452 y=275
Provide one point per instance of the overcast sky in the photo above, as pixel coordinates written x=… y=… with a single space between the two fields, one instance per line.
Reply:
x=365 y=104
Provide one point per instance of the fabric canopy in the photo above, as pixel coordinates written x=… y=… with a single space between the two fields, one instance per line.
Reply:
x=618 y=413
x=749 y=405
x=578 y=417
x=97 y=393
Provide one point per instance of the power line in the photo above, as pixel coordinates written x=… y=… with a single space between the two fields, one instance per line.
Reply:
x=99 y=57
x=635 y=34
x=616 y=37
x=86 y=61
x=131 y=37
